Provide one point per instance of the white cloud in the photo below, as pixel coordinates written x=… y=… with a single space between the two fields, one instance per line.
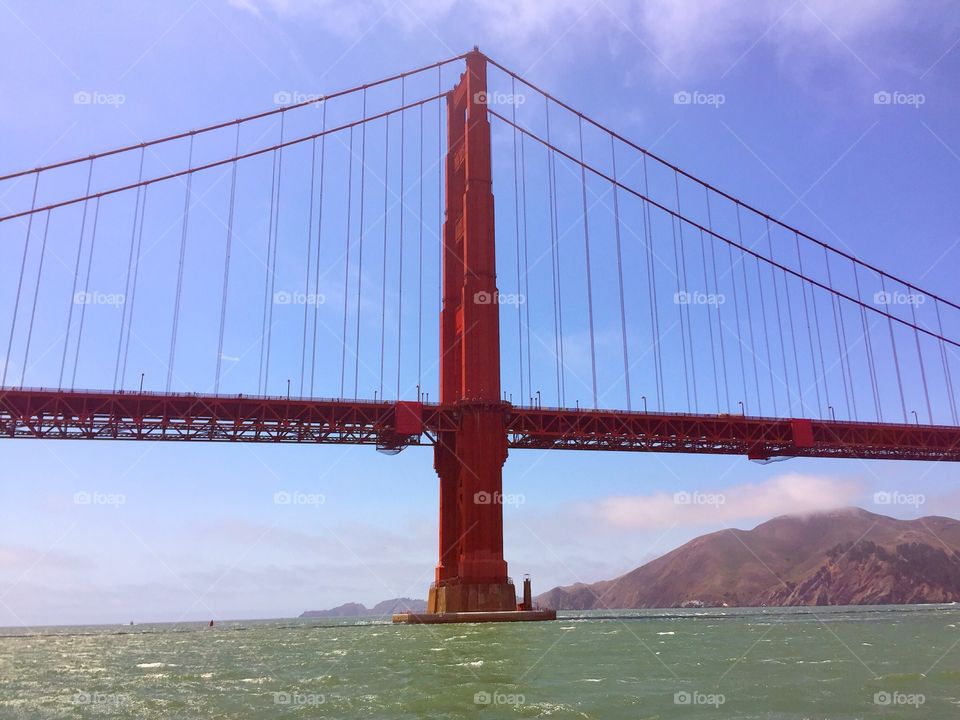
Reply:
x=697 y=507
x=672 y=37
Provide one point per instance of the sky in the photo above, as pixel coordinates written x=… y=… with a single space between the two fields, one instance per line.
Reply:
x=99 y=532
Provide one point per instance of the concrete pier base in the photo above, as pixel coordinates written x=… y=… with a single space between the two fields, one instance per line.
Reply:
x=475 y=617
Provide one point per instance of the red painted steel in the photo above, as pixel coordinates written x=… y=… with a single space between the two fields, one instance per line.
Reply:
x=63 y=414
x=471 y=574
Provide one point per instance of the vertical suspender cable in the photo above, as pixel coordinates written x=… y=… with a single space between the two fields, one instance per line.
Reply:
x=946 y=365
x=557 y=327
x=896 y=358
x=36 y=297
x=746 y=293
x=346 y=267
x=383 y=273
x=680 y=299
x=124 y=324
x=363 y=175
x=766 y=337
x=843 y=348
x=716 y=298
x=683 y=269
x=23 y=265
x=133 y=288
x=652 y=286
x=586 y=248
x=403 y=205
x=870 y=357
x=806 y=312
x=307 y=268
x=623 y=311
x=266 y=275
x=183 y=250
x=86 y=293
x=526 y=260
x=420 y=264
x=736 y=311
x=76 y=279
x=273 y=260
x=516 y=232
x=716 y=285
x=776 y=297
x=916 y=335
x=316 y=274
x=226 y=262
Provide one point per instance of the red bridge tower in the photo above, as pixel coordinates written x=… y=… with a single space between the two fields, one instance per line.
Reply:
x=471 y=575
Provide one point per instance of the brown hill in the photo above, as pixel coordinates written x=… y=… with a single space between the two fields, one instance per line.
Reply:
x=842 y=557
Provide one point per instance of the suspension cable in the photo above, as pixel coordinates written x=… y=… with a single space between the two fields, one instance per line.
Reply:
x=586 y=247
x=23 y=265
x=36 y=296
x=183 y=250
x=76 y=279
x=226 y=265
x=86 y=293
x=623 y=312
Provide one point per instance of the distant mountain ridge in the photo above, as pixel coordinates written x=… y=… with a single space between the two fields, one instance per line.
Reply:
x=842 y=557
x=387 y=607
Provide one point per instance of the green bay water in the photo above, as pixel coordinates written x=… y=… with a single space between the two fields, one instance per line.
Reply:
x=820 y=663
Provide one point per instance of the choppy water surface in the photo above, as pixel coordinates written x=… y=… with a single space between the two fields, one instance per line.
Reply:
x=896 y=662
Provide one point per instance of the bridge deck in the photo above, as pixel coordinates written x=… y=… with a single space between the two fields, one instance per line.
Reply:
x=62 y=414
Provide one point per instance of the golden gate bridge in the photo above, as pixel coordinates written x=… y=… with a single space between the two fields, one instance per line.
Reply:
x=317 y=237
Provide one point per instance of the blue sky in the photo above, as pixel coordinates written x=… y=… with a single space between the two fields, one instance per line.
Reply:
x=191 y=531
